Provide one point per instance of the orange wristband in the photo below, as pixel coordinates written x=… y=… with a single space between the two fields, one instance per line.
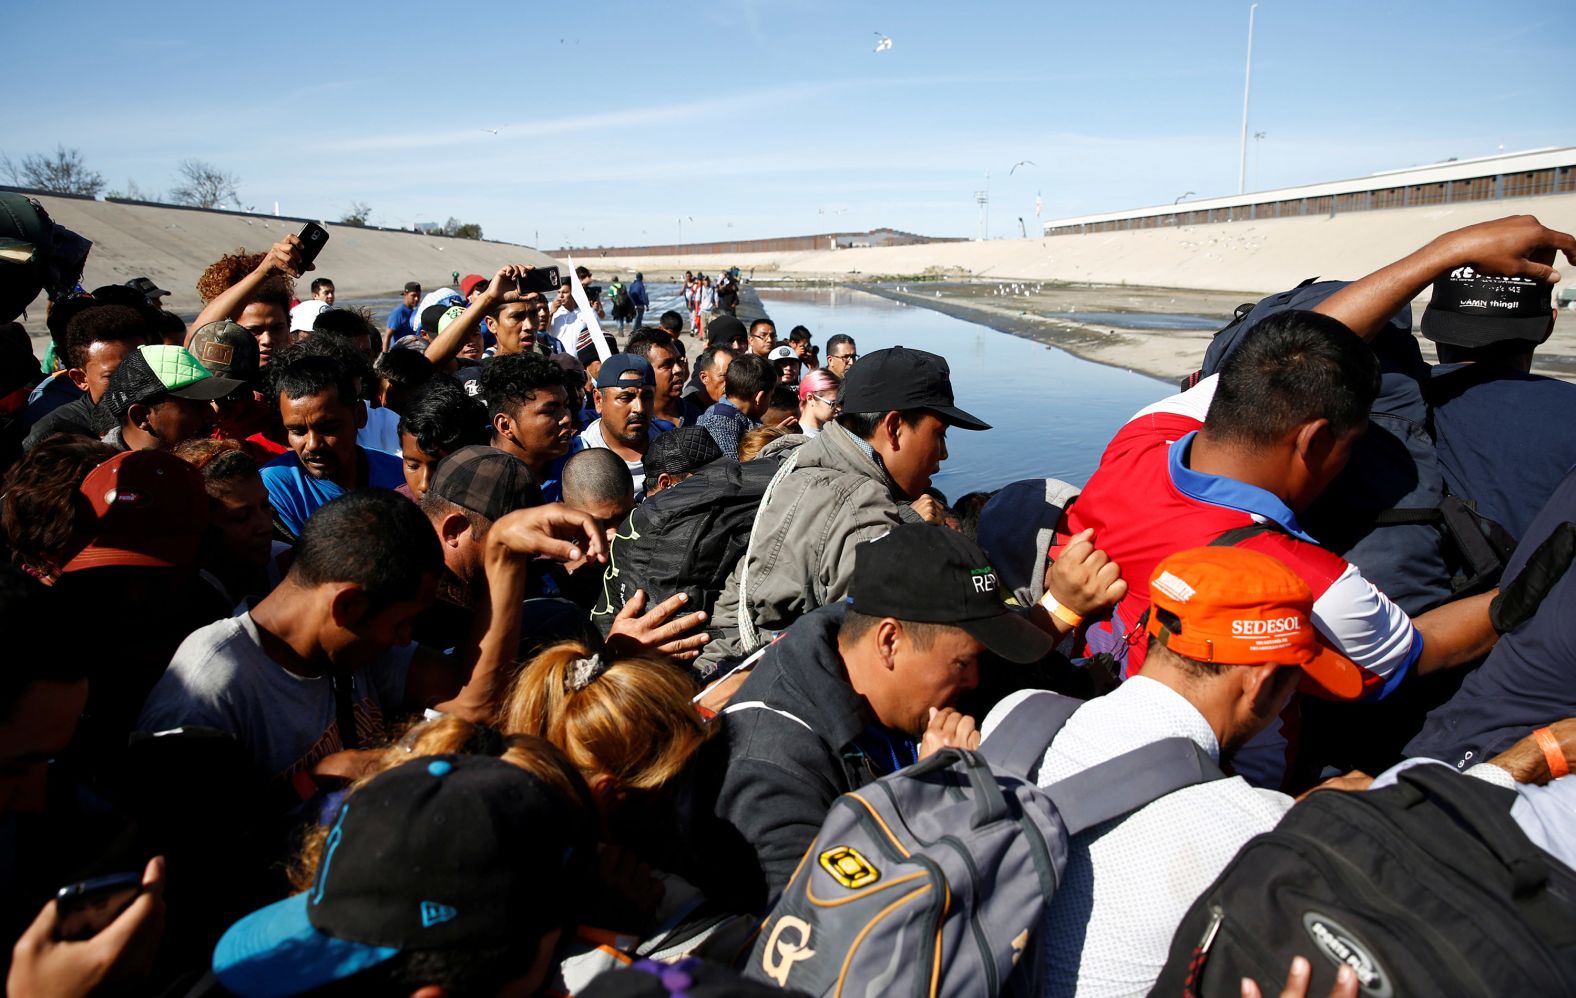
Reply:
x=1553 y=754
x=1058 y=611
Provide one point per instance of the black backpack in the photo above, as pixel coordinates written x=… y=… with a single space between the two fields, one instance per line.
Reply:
x=686 y=538
x=1389 y=512
x=1428 y=887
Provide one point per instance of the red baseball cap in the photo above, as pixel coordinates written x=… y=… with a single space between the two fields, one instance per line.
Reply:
x=1239 y=607
x=469 y=283
x=149 y=509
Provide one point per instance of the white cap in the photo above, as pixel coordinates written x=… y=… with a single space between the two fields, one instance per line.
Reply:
x=784 y=353
x=306 y=313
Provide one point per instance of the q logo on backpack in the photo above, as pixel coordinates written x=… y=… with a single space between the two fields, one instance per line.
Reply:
x=781 y=954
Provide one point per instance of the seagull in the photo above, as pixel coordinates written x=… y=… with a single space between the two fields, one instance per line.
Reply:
x=884 y=44
x=1021 y=162
x=490 y=131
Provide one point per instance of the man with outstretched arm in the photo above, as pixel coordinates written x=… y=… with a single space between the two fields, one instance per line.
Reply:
x=1240 y=456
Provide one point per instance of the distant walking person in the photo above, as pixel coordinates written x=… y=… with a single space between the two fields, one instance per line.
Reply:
x=707 y=300
x=639 y=298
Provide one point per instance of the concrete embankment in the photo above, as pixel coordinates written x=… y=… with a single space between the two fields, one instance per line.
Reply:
x=1254 y=256
x=173 y=246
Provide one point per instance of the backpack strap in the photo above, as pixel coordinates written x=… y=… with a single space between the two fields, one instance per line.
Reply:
x=1126 y=783
x=344 y=686
x=1018 y=743
x=1236 y=535
x=1520 y=598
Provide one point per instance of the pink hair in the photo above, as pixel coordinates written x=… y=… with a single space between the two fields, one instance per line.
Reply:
x=818 y=380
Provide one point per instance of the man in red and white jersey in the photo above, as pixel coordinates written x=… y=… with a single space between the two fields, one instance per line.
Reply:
x=1256 y=444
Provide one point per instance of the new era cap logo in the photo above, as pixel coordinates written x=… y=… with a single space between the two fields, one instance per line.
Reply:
x=1174 y=587
x=433 y=913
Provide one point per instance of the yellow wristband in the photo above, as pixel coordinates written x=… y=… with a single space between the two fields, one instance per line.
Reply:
x=1058 y=611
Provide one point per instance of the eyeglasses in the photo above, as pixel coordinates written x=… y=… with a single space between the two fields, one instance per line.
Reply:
x=850 y=357
x=830 y=403
x=760 y=336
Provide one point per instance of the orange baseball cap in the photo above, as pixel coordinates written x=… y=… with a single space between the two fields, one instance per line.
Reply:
x=1234 y=606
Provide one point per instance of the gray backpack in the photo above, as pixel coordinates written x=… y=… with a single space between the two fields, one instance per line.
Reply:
x=933 y=881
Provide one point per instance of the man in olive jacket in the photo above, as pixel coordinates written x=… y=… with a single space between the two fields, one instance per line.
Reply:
x=858 y=478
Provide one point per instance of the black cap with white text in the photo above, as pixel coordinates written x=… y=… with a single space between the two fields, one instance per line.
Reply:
x=929 y=574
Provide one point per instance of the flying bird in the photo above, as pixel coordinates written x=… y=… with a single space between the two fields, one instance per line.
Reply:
x=1021 y=162
x=490 y=131
x=884 y=43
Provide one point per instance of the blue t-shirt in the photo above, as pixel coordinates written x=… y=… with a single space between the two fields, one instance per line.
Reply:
x=1504 y=438
x=296 y=495
x=399 y=319
x=1529 y=679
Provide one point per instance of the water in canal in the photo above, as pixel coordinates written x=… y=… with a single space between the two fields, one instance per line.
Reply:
x=1051 y=413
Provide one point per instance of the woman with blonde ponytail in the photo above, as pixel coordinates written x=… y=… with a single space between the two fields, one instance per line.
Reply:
x=628 y=724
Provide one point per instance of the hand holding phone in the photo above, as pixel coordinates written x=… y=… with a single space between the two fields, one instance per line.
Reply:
x=537 y=280
x=313 y=237
x=84 y=909
x=121 y=951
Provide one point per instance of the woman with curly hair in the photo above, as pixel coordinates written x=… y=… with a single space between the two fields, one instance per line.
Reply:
x=255 y=290
x=41 y=501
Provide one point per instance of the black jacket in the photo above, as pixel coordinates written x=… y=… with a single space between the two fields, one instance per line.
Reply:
x=75 y=416
x=791 y=730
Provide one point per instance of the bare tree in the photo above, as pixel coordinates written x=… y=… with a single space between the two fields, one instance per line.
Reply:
x=62 y=173
x=204 y=185
x=136 y=193
x=356 y=214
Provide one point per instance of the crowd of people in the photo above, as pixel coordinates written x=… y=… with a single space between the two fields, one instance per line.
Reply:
x=476 y=650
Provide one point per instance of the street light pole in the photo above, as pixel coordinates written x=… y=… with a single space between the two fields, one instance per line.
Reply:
x=1247 y=84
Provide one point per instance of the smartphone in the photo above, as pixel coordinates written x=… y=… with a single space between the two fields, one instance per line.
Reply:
x=312 y=237
x=83 y=910
x=541 y=280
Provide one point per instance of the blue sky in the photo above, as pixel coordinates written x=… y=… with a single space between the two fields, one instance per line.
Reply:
x=754 y=118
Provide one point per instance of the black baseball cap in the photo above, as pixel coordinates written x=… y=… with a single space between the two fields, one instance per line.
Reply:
x=1469 y=309
x=442 y=853
x=152 y=372
x=723 y=330
x=485 y=480
x=680 y=451
x=932 y=575
x=145 y=287
x=900 y=379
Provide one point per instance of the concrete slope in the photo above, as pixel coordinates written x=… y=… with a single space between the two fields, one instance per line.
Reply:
x=1239 y=256
x=174 y=245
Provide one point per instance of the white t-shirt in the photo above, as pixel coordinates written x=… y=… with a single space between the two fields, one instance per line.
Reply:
x=1128 y=882
x=381 y=432
x=592 y=436
x=567 y=327
x=221 y=678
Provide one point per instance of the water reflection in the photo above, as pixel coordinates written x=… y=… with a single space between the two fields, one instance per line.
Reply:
x=1051 y=413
